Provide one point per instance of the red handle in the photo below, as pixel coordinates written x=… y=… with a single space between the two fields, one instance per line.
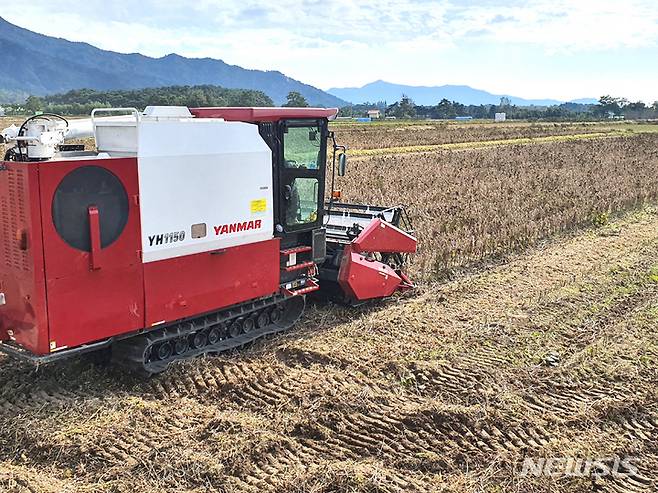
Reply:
x=95 y=237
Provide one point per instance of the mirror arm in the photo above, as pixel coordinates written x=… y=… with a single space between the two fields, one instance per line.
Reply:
x=332 y=135
x=336 y=147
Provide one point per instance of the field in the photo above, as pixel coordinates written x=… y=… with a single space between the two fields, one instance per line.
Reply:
x=531 y=335
x=471 y=204
x=404 y=134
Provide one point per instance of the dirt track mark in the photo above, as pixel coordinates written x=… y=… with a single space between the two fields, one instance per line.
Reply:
x=628 y=482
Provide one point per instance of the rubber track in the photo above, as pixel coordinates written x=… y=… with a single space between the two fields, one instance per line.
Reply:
x=133 y=353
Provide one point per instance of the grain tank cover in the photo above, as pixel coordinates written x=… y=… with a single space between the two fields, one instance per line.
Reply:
x=117 y=135
x=205 y=183
x=167 y=112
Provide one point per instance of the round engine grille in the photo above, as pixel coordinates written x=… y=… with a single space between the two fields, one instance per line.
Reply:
x=84 y=187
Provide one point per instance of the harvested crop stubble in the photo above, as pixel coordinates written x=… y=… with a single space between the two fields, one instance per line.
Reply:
x=470 y=205
x=445 y=391
x=383 y=136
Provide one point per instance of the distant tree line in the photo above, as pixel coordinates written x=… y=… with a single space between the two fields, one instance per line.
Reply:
x=83 y=101
x=607 y=107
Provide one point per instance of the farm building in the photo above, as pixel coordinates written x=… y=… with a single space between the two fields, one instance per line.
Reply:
x=500 y=117
x=374 y=114
x=2 y=111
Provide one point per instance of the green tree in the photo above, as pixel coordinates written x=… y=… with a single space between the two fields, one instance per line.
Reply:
x=346 y=111
x=445 y=109
x=611 y=105
x=296 y=100
x=405 y=108
x=505 y=103
x=33 y=104
x=635 y=110
x=82 y=101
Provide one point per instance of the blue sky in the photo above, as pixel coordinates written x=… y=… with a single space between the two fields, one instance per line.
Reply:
x=533 y=49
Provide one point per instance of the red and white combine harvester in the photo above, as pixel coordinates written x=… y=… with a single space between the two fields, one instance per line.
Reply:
x=186 y=232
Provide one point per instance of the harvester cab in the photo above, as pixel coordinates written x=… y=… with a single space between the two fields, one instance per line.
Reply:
x=185 y=232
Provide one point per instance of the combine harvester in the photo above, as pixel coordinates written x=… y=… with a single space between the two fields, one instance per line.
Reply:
x=187 y=232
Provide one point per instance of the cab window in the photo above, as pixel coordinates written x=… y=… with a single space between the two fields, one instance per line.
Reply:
x=302 y=207
x=301 y=147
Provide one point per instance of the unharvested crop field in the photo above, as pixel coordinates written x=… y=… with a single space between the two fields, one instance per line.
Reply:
x=387 y=134
x=469 y=205
x=532 y=335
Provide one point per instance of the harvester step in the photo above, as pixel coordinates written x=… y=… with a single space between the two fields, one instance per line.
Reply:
x=303 y=265
x=310 y=287
x=299 y=249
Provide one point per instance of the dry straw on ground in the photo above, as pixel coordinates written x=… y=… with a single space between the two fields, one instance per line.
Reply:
x=445 y=391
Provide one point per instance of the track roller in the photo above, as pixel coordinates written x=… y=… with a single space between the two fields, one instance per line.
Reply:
x=164 y=351
x=215 y=334
x=181 y=346
x=263 y=319
x=199 y=339
x=248 y=324
x=236 y=328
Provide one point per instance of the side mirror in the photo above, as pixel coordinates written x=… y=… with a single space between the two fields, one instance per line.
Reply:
x=342 y=164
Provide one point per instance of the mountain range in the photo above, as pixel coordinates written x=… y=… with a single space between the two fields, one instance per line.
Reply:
x=36 y=64
x=431 y=95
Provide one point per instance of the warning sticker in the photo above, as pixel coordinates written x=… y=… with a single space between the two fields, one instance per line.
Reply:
x=259 y=205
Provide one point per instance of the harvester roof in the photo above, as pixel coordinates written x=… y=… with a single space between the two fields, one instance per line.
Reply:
x=264 y=114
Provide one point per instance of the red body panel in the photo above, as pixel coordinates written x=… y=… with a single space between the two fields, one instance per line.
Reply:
x=380 y=236
x=195 y=284
x=87 y=304
x=60 y=296
x=363 y=279
x=21 y=258
x=263 y=114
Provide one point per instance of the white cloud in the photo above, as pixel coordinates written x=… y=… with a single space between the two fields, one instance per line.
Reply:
x=343 y=42
x=559 y=25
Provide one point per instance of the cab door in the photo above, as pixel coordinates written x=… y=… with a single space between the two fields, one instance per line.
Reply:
x=301 y=174
x=92 y=243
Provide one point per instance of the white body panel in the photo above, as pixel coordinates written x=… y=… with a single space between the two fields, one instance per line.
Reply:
x=195 y=172
x=203 y=172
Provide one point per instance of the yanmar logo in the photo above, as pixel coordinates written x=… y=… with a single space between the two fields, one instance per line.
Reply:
x=238 y=227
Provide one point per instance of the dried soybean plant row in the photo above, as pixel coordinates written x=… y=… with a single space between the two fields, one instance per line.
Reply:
x=383 y=136
x=471 y=205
